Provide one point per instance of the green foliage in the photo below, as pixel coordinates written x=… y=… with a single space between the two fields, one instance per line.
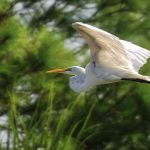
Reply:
x=25 y=58
x=42 y=111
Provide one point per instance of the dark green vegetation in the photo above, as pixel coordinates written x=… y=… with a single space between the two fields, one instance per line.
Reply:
x=42 y=111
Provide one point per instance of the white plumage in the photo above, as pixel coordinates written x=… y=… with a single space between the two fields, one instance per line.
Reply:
x=137 y=54
x=112 y=60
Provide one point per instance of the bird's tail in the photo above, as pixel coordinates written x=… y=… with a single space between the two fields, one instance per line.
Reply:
x=138 y=78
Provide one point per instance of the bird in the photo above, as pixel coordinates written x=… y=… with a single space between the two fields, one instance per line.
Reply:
x=111 y=60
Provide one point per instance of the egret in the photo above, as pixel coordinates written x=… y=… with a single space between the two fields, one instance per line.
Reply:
x=112 y=60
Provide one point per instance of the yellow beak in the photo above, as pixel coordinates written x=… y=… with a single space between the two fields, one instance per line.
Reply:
x=56 y=71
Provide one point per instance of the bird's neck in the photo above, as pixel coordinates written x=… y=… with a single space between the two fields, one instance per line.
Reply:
x=77 y=82
x=83 y=81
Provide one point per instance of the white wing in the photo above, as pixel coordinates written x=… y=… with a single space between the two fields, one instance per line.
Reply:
x=110 y=53
x=137 y=54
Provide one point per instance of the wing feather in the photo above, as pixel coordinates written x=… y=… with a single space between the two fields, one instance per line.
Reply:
x=137 y=54
x=109 y=52
x=105 y=48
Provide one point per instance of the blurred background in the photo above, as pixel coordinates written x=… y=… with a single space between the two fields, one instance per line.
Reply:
x=39 y=111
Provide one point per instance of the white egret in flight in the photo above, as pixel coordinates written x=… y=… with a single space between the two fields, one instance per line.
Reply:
x=112 y=60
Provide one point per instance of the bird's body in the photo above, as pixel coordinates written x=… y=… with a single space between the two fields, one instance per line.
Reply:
x=112 y=60
x=86 y=78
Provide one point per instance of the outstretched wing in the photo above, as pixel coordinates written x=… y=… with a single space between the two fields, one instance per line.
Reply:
x=137 y=54
x=108 y=51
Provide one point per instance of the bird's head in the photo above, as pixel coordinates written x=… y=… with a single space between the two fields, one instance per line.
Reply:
x=74 y=70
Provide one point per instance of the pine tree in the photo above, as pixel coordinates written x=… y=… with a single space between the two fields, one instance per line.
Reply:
x=41 y=107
